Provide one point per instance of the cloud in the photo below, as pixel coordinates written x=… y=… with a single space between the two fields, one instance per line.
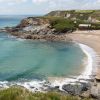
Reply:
x=44 y=6
x=12 y=1
x=39 y=1
x=98 y=1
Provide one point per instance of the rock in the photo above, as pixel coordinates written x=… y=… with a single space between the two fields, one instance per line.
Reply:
x=29 y=36
x=72 y=89
x=85 y=94
x=32 y=21
x=77 y=88
x=85 y=86
x=95 y=92
x=98 y=75
x=37 y=28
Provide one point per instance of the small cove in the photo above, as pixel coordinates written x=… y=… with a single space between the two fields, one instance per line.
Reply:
x=31 y=61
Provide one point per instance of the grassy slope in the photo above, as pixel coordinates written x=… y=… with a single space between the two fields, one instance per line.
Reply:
x=77 y=13
x=18 y=93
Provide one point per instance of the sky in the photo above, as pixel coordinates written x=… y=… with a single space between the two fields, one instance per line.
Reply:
x=40 y=7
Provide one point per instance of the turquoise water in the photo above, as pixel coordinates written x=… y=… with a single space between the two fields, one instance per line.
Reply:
x=7 y=20
x=28 y=59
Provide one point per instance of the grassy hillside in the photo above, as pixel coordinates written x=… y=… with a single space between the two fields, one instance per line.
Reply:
x=16 y=93
x=78 y=14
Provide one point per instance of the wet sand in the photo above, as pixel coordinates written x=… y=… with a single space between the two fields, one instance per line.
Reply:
x=91 y=39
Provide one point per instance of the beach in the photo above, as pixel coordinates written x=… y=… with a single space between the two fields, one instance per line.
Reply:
x=87 y=72
x=91 y=39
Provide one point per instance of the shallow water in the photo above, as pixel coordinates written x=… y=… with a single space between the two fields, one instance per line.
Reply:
x=35 y=59
x=10 y=20
x=28 y=59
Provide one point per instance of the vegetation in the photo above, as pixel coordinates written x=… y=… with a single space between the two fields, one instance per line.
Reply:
x=62 y=25
x=85 y=11
x=18 y=93
x=79 y=14
x=95 y=26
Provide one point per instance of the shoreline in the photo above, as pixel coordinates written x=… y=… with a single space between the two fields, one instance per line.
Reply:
x=89 y=72
x=86 y=75
x=91 y=39
x=36 y=85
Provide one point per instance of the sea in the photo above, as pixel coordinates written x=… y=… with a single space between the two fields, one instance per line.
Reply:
x=22 y=61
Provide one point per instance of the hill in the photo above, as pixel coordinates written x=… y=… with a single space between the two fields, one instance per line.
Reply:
x=90 y=15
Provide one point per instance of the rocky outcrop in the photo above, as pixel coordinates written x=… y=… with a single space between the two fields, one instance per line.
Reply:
x=77 y=88
x=37 y=29
x=32 y=21
x=83 y=90
x=46 y=37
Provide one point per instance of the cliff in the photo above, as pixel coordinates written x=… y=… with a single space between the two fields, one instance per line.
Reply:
x=45 y=28
x=55 y=24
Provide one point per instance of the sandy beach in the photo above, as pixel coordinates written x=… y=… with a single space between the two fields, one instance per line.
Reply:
x=91 y=39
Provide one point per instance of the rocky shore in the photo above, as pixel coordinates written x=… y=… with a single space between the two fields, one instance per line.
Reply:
x=49 y=37
x=37 y=29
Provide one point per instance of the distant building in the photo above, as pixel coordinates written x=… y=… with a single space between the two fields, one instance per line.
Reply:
x=67 y=15
x=84 y=26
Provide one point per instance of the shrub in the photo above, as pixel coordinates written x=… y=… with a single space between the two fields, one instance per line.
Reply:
x=95 y=26
x=62 y=25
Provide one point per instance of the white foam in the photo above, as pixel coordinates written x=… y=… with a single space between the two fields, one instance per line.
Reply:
x=19 y=39
x=33 y=85
x=90 y=67
x=4 y=84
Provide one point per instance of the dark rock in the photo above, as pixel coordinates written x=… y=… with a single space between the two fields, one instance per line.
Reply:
x=85 y=86
x=28 y=36
x=72 y=89
x=32 y=87
x=77 y=88
x=56 y=87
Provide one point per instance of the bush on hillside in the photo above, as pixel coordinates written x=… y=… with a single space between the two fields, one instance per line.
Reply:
x=62 y=25
x=95 y=26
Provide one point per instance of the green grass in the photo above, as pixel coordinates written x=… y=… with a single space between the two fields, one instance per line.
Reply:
x=85 y=11
x=18 y=93
x=79 y=14
x=62 y=25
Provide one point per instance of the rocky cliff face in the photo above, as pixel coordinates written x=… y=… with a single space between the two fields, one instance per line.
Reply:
x=37 y=29
x=33 y=25
x=32 y=21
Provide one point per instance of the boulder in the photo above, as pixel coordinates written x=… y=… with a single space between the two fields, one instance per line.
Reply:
x=95 y=92
x=72 y=89
x=76 y=89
